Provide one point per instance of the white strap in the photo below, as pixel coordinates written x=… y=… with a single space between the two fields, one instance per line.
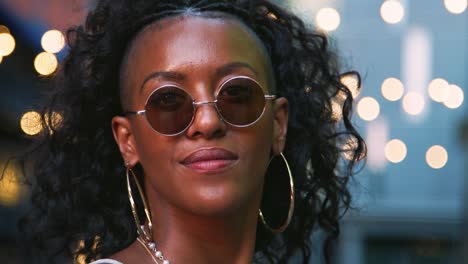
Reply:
x=106 y=261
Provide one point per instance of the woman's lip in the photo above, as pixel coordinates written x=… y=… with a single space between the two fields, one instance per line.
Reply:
x=209 y=154
x=211 y=159
x=210 y=165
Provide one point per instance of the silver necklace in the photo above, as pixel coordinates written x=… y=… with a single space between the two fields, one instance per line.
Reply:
x=155 y=254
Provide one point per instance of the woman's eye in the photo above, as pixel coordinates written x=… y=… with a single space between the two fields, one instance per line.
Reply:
x=168 y=100
x=235 y=93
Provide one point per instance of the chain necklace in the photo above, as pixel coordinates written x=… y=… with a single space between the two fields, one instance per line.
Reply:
x=155 y=254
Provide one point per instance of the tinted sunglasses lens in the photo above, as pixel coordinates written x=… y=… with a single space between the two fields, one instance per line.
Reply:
x=169 y=110
x=241 y=101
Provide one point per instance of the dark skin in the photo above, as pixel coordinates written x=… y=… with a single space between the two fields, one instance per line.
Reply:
x=206 y=215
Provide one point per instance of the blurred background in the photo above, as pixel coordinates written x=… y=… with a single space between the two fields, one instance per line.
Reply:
x=411 y=198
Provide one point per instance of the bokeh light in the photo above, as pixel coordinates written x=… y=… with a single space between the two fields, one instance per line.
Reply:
x=395 y=151
x=455 y=97
x=10 y=187
x=351 y=81
x=438 y=90
x=392 y=11
x=368 y=108
x=392 y=89
x=30 y=123
x=53 y=41
x=328 y=19
x=7 y=44
x=436 y=157
x=45 y=63
x=456 y=6
x=337 y=110
x=4 y=29
x=56 y=121
x=413 y=103
x=349 y=147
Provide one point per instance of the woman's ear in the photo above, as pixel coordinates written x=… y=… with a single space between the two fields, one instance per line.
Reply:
x=123 y=135
x=280 y=124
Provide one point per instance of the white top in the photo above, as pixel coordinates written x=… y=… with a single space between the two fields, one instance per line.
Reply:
x=106 y=261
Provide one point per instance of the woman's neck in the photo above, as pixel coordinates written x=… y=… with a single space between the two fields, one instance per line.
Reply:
x=184 y=237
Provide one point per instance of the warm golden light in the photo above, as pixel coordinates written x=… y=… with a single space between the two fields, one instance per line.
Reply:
x=53 y=41
x=7 y=44
x=456 y=6
x=438 y=90
x=455 y=97
x=392 y=11
x=413 y=103
x=4 y=29
x=1 y=59
x=349 y=148
x=10 y=188
x=45 y=63
x=56 y=121
x=436 y=157
x=395 y=151
x=368 y=108
x=328 y=19
x=337 y=110
x=30 y=123
x=392 y=89
x=352 y=82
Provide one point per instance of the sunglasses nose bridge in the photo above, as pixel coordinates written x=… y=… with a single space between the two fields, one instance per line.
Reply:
x=202 y=103
x=196 y=104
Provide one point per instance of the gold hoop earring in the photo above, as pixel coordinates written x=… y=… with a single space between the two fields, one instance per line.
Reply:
x=141 y=229
x=291 y=203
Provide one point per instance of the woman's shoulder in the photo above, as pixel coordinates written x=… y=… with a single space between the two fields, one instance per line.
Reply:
x=106 y=261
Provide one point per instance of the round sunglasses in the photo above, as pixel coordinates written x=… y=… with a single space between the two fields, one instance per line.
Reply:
x=170 y=110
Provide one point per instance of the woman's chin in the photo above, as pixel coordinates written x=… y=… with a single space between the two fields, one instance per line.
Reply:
x=219 y=202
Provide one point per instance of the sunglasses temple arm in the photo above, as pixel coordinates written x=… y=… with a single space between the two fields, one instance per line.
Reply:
x=141 y=112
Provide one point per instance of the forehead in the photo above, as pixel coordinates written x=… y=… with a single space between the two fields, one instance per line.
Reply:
x=194 y=44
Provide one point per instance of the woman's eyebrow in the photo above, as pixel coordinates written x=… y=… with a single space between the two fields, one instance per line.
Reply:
x=175 y=76
x=230 y=67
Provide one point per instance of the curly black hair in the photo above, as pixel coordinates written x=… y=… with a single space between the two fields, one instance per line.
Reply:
x=80 y=208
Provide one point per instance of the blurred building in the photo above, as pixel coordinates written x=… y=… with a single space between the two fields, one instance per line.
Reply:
x=413 y=57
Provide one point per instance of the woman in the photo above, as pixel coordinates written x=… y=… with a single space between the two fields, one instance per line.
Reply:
x=197 y=131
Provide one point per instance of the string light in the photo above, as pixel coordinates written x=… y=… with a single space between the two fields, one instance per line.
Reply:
x=392 y=89
x=438 y=90
x=53 y=41
x=349 y=148
x=45 y=63
x=4 y=29
x=352 y=82
x=337 y=109
x=10 y=188
x=368 y=108
x=56 y=121
x=455 y=97
x=456 y=6
x=328 y=19
x=395 y=151
x=436 y=157
x=30 y=123
x=413 y=103
x=7 y=44
x=392 y=11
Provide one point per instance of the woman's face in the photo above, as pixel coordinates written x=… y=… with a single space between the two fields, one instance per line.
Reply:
x=212 y=167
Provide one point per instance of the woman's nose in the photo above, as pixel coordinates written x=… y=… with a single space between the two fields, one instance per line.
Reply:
x=207 y=122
